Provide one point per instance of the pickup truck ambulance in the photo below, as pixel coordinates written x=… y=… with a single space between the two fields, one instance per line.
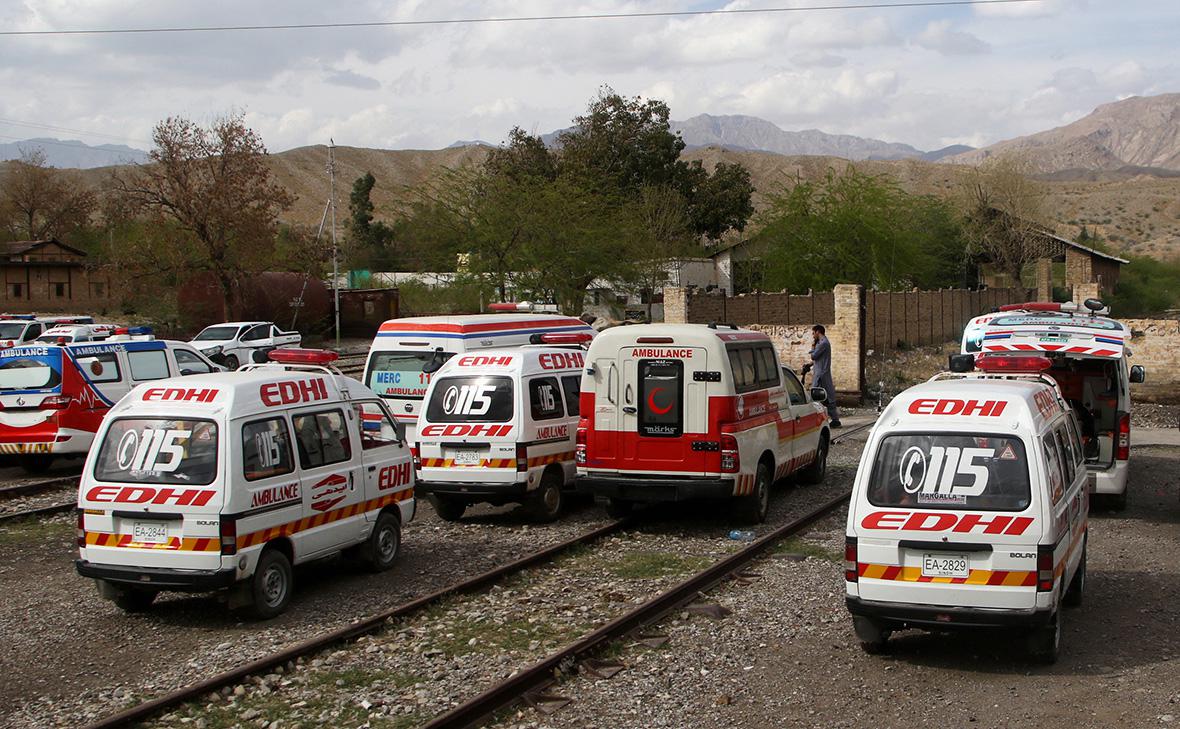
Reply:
x=236 y=342
x=16 y=329
x=682 y=411
x=227 y=480
x=1089 y=352
x=402 y=347
x=53 y=397
x=499 y=427
x=970 y=508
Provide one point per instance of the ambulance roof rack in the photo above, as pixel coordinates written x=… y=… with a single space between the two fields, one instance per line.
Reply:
x=295 y=358
x=559 y=338
x=999 y=366
x=525 y=306
x=22 y=317
x=715 y=325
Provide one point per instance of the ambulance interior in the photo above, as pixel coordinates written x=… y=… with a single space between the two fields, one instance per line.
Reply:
x=1091 y=385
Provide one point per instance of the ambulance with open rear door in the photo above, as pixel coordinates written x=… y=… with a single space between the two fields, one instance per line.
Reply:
x=227 y=480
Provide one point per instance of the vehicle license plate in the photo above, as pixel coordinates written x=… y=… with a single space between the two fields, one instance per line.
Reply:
x=945 y=565
x=468 y=458
x=150 y=532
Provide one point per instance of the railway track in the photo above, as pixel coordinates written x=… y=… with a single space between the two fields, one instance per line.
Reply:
x=36 y=487
x=528 y=680
x=33 y=487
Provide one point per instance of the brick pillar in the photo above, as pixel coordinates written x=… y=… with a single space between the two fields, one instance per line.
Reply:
x=1083 y=291
x=847 y=337
x=1044 y=279
x=675 y=305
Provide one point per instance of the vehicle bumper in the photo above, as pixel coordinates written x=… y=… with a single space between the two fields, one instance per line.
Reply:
x=473 y=489
x=1110 y=480
x=158 y=577
x=634 y=488
x=896 y=615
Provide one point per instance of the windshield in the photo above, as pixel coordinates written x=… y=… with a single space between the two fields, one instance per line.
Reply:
x=471 y=400
x=30 y=369
x=216 y=334
x=399 y=374
x=1052 y=319
x=951 y=471
x=158 y=450
x=12 y=330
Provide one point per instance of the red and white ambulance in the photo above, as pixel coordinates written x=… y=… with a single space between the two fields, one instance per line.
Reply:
x=53 y=397
x=970 y=508
x=394 y=368
x=499 y=428
x=681 y=411
x=1090 y=362
x=227 y=480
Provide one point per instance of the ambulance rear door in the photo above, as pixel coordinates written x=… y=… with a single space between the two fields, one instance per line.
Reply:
x=663 y=410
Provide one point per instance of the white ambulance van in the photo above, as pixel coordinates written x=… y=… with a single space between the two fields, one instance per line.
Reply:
x=683 y=411
x=16 y=329
x=394 y=368
x=227 y=480
x=970 y=508
x=499 y=427
x=1090 y=356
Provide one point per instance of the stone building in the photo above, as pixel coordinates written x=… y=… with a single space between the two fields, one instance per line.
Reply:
x=50 y=276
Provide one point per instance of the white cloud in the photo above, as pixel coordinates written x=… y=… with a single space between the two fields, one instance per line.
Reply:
x=938 y=36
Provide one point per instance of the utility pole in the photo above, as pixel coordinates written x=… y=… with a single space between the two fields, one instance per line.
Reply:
x=335 y=248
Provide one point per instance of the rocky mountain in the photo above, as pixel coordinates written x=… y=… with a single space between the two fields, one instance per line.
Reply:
x=73 y=153
x=753 y=133
x=940 y=154
x=1140 y=131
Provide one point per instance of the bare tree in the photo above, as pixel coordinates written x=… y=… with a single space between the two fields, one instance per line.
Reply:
x=207 y=199
x=39 y=202
x=1004 y=214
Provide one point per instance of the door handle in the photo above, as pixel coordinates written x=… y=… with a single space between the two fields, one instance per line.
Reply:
x=627 y=394
x=372 y=468
x=630 y=410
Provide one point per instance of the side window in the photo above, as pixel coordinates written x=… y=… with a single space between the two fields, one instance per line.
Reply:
x=769 y=371
x=189 y=363
x=794 y=389
x=103 y=367
x=572 y=385
x=253 y=334
x=1071 y=428
x=32 y=332
x=1053 y=467
x=266 y=449
x=545 y=398
x=152 y=365
x=1068 y=466
x=735 y=364
x=322 y=438
x=377 y=428
x=745 y=374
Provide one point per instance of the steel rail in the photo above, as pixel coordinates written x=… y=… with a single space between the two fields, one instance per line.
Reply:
x=371 y=624
x=40 y=511
x=542 y=673
x=35 y=486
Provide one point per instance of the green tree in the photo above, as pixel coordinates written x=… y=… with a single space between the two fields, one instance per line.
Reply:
x=1004 y=215
x=369 y=242
x=38 y=201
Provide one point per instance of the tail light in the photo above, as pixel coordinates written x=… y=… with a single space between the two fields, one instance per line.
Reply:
x=522 y=458
x=56 y=402
x=229 y=536
x=81 y=528
x=851 y=568
x=1045 y=568
x=580 y=442
x=1123 y=446
x=417 y=458
x=730 y=462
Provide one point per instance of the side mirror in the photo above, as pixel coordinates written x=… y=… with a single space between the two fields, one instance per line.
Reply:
x=819 y=394
x=961 y=362
x=260 y=356
x=186 y=373
x=435 y=363
x=1138 y=374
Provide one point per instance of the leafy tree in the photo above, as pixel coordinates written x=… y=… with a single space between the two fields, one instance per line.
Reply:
x=39 y=202
x=662 y=238
x=721 y=201
x=369 y=241
x=1004 y=214
x=524 y=157
x=1147 y=287
x=207 y=200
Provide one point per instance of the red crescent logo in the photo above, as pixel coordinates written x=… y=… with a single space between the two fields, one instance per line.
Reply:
x=651 y=403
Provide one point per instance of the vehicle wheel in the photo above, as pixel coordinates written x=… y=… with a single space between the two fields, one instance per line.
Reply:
x=815 y=473
x=231 y=362
x=448 y=508
x=1077 y=586
x=1117 y=502
x=131 y=600
x=383 y=545
x=619 y=508
x=36 y=464
x=752 y=508
x=270 y=587
x=545 y=503
x=873 y=638
x=1044 y=643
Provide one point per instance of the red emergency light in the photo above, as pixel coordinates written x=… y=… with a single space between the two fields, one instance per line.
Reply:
x=294 y=355
x=1012 y=363
x=1032 y=306
x=654 y=340
x=566 y=338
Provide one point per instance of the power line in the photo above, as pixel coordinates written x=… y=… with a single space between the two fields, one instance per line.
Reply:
x=516 y=19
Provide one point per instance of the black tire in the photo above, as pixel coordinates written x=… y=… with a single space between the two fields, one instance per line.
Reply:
x=231 y=362
x=873 y=638
x=1076 y=591
x=271 y=585
x=1044 y=643
x=448 y=508
x=619 y=508
x=1117 y=502
x=545 y=503
x=752 y=508
x=36 y=464
x=815 y=473
x=131 y=600
x=384 y=544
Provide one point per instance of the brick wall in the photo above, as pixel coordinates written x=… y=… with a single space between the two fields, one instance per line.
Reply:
x=1155 y=344
x=899 y=319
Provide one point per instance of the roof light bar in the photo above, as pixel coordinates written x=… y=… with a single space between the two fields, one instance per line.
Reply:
x=133 y=331
x=1012 y=363
x=1032 y=306
x=521 y=306
x=563 y=338
x=293 y=355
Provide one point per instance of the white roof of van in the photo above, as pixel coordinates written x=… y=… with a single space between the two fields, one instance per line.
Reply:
x=972 y=405
x=681 y=334
x=1074 y=334
x=525 y=361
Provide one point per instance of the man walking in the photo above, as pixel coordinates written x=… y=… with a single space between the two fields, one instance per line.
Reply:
x=821 y=369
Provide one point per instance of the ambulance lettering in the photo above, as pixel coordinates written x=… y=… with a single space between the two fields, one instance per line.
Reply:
x=329 y=492
x=930 y=406
x=1046 y=403
x=561 y=361
x=548 y=432
x=639 y=352
x=157 y=394
x=473 y=361
x=391 y=477
x=149 y=495
x=926 y=521
x=487 y=431
x=275 y=495
x=293 y=391
x=468 y=399
x=937 y=475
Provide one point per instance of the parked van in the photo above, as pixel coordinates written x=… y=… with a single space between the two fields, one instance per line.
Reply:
x=70 y=333
x=499 y=428
x=227 y=480
x=17 y=329
x=970 y=508
x=394 y=368
x=53 y=397
x=1089 y=352
x=683 y=411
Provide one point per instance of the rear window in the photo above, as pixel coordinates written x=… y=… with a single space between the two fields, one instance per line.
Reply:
x=545 y=398
x=950 y=471
x=30 y=372
x=399 y=374
x=471 y=400
x=158 y=450
x=661 y=393
x=572 y=385
x=216 y=334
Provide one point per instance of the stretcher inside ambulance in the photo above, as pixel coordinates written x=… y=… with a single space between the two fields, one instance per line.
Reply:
x=1089 y=354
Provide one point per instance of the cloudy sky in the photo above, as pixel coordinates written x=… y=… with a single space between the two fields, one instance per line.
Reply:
x=925 y=76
